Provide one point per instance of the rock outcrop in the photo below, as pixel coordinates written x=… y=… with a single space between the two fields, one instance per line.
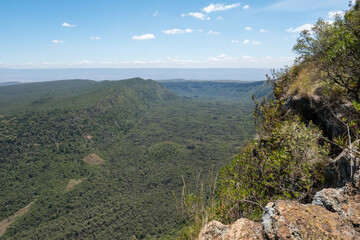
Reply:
x=321 y=112
x=333 y=214
x=242 y=229
x=335 y=210
x=292 y=220
x=345 y=202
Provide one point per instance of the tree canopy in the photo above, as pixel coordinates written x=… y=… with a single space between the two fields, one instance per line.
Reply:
x=335 y=47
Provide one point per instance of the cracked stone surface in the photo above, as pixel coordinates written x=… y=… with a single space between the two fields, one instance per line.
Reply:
x=292 y=220
x=242 y=229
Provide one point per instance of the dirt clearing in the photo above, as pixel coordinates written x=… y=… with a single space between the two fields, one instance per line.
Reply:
x=4 y=224
x=93 y=159
x=73 y=183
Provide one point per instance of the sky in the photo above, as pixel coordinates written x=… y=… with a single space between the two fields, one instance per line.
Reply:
x=155 y=33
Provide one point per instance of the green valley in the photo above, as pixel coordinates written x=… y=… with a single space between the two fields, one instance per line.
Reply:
x=106 y=160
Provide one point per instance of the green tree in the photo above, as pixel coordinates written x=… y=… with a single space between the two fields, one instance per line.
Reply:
x=335 y=47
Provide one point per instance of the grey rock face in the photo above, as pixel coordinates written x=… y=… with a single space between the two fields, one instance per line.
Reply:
x=242 y=229
x=292 y=220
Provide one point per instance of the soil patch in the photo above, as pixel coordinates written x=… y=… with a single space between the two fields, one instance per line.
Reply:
x=93 y=159
x=73 y=183
x=4 y=224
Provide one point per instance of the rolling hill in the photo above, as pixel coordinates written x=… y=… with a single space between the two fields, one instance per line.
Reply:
x=106 y=159
x=218 y=90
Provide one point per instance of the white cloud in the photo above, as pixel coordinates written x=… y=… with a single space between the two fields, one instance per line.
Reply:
x=155 y=13
x=182 y=61
x=219 y=7
x=177 y=31
x=84 y=62
x=301 y=28
x=197 y=15
x=221 y=61
x=219 y=18
x=248 y=28
x=221 y=58
x=333 y=14
x=200 y=30
x=234 y=41
x=246 y=7
x=95 y=38
x=263 y=30
x=58 y=41
x=147 y=62
x=247 y=41
x=144 y=37
x=65 y=24
x=52 y=63
x=213 y=59
x=214 y=33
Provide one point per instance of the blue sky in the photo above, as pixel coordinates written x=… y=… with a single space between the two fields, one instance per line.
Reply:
x=155 y=33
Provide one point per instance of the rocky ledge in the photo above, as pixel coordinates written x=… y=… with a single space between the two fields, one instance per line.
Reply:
x=333 y=214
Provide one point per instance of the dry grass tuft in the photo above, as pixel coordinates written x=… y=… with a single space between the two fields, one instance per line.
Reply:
x=306 y=82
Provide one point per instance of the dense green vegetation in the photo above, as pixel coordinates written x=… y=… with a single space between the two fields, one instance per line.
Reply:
x=287 y=161
x=8 y=83
x=288 y=157
x=335 y=48
x=218 y=90
x=148 y=137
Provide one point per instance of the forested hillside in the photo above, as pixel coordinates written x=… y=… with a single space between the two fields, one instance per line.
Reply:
x=108 y=160
x=301 y=172
x=218 y=90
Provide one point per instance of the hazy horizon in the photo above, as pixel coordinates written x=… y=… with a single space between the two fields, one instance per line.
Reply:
x=98 y=74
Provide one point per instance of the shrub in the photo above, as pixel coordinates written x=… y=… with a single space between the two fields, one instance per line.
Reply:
x=335 y=49
x=287 y=162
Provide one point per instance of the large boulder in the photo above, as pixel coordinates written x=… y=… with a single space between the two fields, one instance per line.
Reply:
x=242 y=229
x=344 y=201
x=292 y=220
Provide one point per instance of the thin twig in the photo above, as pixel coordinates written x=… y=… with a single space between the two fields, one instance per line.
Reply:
x=248 y=201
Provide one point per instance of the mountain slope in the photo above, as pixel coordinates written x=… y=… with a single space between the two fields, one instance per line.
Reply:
x=301 y=172
x=219 y=90
x=68 y=94
x=145 y=139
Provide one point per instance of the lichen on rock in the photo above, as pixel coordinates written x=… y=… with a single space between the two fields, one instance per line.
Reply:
x=242 y=229
x=292 y=220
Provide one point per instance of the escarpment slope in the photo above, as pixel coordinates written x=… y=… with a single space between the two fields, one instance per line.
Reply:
x=302 y=171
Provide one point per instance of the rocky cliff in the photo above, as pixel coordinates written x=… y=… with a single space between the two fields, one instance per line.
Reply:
x=334 y=211
x=333 y=214
x=302 y=171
